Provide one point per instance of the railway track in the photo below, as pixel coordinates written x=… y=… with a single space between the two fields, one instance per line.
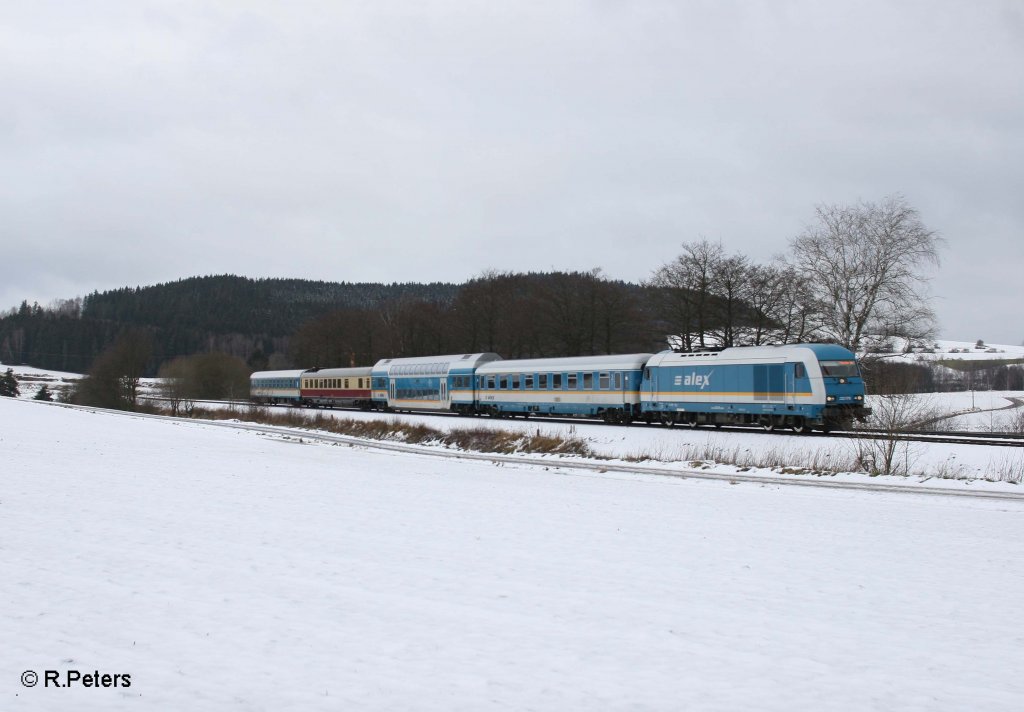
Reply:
x=920 y=436
x=567 y=464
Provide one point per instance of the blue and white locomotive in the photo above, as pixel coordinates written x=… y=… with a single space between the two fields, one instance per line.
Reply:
x=798 y=386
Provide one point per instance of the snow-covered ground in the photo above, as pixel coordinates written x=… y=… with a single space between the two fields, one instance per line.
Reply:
x=978 y=411
x=227 y=570
x=223 y=569
x=945 y=350
x=31 y=379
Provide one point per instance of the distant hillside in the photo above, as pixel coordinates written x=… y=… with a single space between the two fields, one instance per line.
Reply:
x=237 y=315
x=228 y=304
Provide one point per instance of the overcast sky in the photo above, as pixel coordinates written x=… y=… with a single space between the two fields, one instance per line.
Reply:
x=144 y=142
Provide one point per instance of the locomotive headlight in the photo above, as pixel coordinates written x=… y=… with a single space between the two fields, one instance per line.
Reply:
x=830 y=399
x=858 y=397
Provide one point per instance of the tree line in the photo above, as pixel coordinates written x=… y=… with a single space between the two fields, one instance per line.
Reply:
x=857 y=273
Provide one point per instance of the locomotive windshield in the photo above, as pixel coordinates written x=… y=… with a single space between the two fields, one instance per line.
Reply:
x=840 y=369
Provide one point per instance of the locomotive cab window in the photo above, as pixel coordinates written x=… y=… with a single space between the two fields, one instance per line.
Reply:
x=839 y=369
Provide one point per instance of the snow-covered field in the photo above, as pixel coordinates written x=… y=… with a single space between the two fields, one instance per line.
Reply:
x=979 y=411
x=224 y=569
x=945 y=350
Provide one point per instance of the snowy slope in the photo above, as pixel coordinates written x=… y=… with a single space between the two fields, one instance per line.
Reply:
x=957 y=350
x=228 y=570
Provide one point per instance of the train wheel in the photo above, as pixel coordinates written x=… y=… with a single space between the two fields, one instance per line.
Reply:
x=768 y=425
x=800 y=427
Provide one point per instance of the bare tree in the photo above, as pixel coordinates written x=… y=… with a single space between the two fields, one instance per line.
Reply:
x=867 y=266
x=685 y=288
x=113 y=380
x=731 y=284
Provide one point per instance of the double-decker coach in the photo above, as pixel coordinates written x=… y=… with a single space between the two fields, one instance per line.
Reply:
x=337 y=387
x=428 y=382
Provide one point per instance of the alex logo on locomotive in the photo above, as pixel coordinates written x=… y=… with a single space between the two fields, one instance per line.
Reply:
x=695 y=379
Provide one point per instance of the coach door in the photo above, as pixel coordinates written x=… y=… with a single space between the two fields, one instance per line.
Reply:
x=445 y=396
x=791 y=374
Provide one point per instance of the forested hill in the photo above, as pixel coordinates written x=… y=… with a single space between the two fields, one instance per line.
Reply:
x=237 y=315
x=228 y=304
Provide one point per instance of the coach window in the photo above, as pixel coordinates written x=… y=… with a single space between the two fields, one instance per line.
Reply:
x=570 y=381
x=542 y=381
x=556 y=381
x=528 y=381
x=617 y=381
x=588 y=381
x=603 y=381
x=515 y=382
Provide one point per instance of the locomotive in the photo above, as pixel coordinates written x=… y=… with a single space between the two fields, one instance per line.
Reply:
x=802 y=387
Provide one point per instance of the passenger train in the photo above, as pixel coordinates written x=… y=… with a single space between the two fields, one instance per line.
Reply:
x=802 y=387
